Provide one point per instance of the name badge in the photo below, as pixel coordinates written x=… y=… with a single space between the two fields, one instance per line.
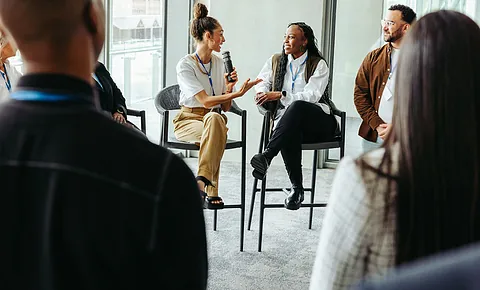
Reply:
x=387 y=94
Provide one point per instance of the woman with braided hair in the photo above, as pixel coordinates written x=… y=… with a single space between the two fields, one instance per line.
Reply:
x=294 y=87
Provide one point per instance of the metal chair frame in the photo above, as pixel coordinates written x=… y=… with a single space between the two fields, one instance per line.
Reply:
x=337 y=142
x=167 y=141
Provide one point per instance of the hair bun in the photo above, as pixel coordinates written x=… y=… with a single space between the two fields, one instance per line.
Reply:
x=200 y=11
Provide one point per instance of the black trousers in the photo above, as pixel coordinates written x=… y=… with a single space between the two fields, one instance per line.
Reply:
x=302 y=122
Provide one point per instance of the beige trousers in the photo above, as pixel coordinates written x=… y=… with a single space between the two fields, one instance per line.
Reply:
x=209 y=130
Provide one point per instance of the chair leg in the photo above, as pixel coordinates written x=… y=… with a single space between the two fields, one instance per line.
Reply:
x=252 y=202
x=262 y=212
x=255 y=181
x=143 y=122
x=215 y=220
x=312 y=193
x=263 y=143
x=242 y=210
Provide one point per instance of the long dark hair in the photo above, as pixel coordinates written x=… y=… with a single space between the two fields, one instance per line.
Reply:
x=436 y=127
x=312 y=50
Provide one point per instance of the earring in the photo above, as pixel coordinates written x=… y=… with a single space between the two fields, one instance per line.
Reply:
x=302 y=48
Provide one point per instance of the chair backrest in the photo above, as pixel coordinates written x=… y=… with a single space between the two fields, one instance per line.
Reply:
x=235 y=109
x=168 y=99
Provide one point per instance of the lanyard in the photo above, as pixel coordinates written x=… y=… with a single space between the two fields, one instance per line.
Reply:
x=38 y=96
x=209 y=73
x=294 y=77
x=6 y=78
x=95 y=77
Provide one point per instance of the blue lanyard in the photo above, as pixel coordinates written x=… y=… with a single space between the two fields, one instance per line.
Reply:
x=294 y=77
x=95 y=77
x=45 y=97
x=208 y=72
x=6 y=78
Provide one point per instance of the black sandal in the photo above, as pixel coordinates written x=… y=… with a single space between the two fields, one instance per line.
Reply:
x=211 y=204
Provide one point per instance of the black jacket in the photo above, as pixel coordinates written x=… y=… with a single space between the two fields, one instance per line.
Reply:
x=110 y=97
x=75 y=216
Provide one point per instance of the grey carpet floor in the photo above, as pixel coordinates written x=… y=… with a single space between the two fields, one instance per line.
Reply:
x=289 y=247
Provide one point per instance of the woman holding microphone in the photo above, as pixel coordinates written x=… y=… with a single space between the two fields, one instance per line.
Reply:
x=204 y=93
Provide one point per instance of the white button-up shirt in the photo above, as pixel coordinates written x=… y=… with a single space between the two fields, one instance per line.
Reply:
x=385 y=110
x=310 y=92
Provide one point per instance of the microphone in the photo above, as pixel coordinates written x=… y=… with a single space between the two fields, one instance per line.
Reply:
x=228 y=65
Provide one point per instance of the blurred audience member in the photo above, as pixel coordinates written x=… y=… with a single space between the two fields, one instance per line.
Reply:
x=110 y=97
x=86 y=202
x=419 y=194
x=9 y=74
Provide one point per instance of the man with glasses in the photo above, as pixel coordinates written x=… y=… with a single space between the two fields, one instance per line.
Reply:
x=374 y=84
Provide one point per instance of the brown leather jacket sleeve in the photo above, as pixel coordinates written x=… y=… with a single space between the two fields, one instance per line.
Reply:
x=364 y=96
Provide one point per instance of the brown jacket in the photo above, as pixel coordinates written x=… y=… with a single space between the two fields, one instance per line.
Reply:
x=369 y=83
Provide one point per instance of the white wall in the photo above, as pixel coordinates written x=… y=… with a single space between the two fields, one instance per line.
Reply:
x=254 y=31
x=357 y=30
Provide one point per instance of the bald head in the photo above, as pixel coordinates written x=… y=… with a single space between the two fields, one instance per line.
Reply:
x=41 y=20
x=55 y=21
x=47 y=30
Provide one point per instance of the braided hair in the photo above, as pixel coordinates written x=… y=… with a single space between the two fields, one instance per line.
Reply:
x=312 y=50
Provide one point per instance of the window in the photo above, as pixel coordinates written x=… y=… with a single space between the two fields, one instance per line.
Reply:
x=139 y=7
x=135 y=54
x=422 y=7
x=354 y=41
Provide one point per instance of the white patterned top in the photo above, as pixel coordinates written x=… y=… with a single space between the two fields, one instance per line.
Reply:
x=357 y=238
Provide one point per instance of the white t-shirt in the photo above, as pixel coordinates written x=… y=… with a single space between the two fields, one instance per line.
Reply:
x=192 y=79
x=14 y=76
x=385 y=109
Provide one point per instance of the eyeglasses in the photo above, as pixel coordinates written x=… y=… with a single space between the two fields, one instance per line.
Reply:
x=387 y=23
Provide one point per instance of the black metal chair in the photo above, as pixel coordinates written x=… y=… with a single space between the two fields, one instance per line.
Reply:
x=143 y=120
x=337 y=142
x=167 y=100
